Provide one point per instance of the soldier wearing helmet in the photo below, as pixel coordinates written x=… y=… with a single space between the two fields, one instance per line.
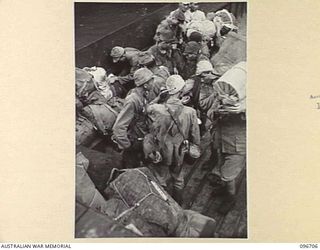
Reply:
x=183 y=7
x=200 y=91
x=163 y=52
x=174 y=128
x=190 y=57
x=230 y=139
x=161 y=73
x=125 y=62
x=130 y=126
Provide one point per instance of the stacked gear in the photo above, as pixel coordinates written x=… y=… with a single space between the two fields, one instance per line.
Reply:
x=232 y=51
x=136 y=197
x=137 y=202
x=101 y=81
x=85 y=131
x=99 y=109
x=225 y=18
x=234 y=80
x=206 y=27
x=84 y=83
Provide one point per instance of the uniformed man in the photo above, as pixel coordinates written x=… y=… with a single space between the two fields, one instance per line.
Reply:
x=196 y=36
x=163 y=52
x=174 y=128
x=130 y=126
x=230 y=139
x=188 y=62
x=146 y=59
x=127 y=59
x=224 y=22
x=196 y=14
x=185 y=9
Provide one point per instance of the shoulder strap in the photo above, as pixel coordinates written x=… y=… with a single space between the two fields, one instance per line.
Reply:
x=176 y=121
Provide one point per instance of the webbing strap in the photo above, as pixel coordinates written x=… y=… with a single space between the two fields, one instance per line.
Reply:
x=137 y=204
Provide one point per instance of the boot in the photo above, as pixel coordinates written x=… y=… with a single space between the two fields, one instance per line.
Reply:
x=208 y=230
x=227 y=204
x=229 y=200
x=218 y=186
x=177 y=195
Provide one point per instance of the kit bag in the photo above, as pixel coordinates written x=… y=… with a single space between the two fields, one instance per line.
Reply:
x=85 y=131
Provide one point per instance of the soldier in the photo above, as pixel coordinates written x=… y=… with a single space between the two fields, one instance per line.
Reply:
x=130 y=126
x=196 y=14
x=185 y=9
x=163 y=52
x=191 y=56
x=174 y=127
x=230 y=139
x=196 y=36
x=127 y=59
x=146 y=59
x=224 y=22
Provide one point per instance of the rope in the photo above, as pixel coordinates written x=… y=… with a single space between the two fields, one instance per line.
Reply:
x=138 y=203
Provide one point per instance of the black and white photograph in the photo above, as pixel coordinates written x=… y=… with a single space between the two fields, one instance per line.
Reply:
x=160 y=120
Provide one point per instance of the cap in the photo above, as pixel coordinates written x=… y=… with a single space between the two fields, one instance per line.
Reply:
x=117 y=51
x=192 y=47
x=203 y=66
x=142 y=76
x=174 y=84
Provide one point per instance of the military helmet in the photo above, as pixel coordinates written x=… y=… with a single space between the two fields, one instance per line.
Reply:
x=195 y=36
x=203 y=66
x=174 y=84
x=142 y=76
x=117 y=51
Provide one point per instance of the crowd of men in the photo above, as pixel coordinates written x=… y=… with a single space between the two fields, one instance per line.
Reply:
x=169 y=98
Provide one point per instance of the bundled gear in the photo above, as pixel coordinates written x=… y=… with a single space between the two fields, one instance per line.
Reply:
x=136 y=197
x=224 y=18
x=85 y=131
x=93 y=224
x=101 y=81
x=135 y=201
x=232 y=51
x=103 y=116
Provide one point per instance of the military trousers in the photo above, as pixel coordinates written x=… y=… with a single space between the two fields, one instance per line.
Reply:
x=164 y=173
